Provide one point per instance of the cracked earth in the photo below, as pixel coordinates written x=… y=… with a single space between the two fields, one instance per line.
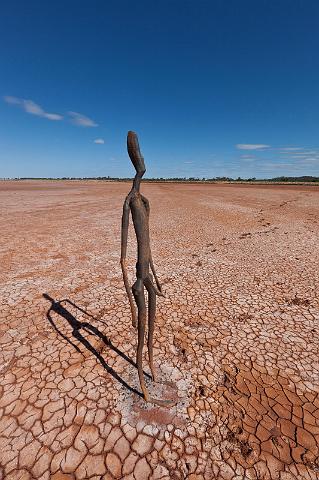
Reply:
x=236 y=338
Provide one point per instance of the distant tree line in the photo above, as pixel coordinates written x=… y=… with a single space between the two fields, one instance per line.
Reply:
x=283 y=179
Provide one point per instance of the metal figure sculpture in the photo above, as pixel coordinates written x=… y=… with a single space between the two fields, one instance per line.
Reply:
x=139 y=207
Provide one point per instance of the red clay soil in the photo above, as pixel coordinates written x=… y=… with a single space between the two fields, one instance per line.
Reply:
x=236 y=336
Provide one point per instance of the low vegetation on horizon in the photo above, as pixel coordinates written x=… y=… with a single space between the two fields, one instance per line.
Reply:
x=283 y=179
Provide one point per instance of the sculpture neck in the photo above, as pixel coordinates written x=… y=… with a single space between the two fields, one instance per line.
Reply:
x=137 y=182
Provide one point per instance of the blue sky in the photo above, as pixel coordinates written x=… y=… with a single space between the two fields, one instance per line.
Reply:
x=212 y=87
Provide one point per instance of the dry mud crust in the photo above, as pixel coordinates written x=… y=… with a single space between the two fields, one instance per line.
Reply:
x=236 y=337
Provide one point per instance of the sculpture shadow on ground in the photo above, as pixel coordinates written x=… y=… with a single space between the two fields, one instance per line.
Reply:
x=77 y=326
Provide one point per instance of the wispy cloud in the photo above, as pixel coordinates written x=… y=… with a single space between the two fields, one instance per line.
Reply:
x=300 y=153
x=277 y=166
x=31 y=107
x=81 y=120
x=291 y=149
x=251 y=146
x=11 y=100
x=99 y=141
x=248 y=157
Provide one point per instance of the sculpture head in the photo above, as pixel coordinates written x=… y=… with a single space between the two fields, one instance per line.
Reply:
x=135 y=155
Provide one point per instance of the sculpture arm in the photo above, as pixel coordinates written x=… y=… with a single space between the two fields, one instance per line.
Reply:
x=159 y=287
x=124 y=235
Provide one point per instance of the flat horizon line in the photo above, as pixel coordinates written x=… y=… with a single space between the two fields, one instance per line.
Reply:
x=282 y=179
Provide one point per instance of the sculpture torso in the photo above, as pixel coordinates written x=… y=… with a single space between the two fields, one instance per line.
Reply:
x=140 y=216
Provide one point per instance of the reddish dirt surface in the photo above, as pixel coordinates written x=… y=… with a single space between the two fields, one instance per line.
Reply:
x=236 y=335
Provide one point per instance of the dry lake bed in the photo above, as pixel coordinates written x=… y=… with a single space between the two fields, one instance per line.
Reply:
x=236 y=337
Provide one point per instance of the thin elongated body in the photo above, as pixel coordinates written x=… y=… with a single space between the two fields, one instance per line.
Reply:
x=140 y=216
x=138 y=206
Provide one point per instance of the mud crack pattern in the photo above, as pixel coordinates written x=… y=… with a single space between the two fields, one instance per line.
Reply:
x=236 y=335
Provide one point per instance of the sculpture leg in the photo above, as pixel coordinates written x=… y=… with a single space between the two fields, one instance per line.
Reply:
x=151 y=320
x=138 y=292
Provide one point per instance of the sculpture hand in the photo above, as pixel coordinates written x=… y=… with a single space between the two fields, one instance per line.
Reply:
x=159 y=291
x=134 y=322
x=159 y=288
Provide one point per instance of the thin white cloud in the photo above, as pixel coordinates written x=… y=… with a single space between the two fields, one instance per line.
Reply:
x=81 y=120
x=52 y=116
x=275 y=165
x=295 y=156
x=11 y=100
x=99 y=141
x=301 y=154
x=31 y=107
x=291 y=149
x=251 y=146
x=310 y=160
x=247 y=158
